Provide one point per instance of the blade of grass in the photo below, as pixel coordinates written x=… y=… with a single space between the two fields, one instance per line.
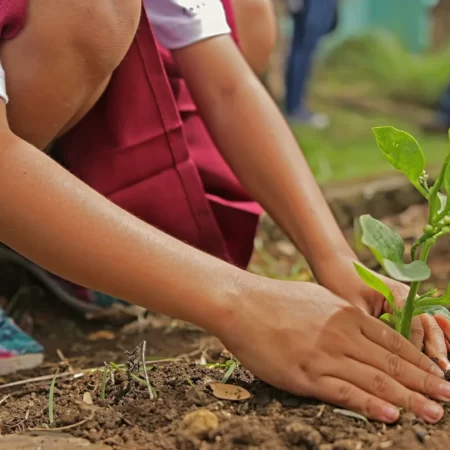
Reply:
x=144 y=383
x=151 y=392
x=3 y=400
x=43 y=378
x=104 y=377
x=190 y=382
x=231 y=368
x=51 y=400
x=116 y=366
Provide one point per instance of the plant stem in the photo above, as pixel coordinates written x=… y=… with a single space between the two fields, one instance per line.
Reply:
x=408 y=310
x=417 y=244
x=435 y=190
x=423 y=191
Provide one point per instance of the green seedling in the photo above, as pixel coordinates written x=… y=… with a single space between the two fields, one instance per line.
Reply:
x=405 y=154
x=232 y=366
x=51 y=400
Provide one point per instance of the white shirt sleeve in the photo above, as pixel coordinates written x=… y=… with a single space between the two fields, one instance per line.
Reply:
x=3 y=94
x=179 y=23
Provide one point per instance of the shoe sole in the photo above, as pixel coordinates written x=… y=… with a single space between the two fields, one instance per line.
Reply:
x=24 y=362
x=47 y=280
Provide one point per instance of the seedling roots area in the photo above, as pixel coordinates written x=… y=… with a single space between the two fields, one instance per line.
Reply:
x=201 y=399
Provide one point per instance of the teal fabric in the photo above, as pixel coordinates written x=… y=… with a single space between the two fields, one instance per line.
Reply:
x=13 y=341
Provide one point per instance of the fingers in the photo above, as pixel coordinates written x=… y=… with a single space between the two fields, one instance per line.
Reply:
x=342 y=393
x=417 y=333
x=444 y=324
x=380 y=382
x=404 y=372
x=435 y=343
x=396 y=344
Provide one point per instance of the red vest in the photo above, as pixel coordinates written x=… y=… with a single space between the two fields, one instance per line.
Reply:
x=145 y=147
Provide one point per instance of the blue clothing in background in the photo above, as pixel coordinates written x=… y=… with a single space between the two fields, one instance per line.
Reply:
x=444 y=108
x=315 y=19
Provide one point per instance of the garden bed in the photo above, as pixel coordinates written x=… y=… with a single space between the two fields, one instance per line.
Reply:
x=186 y=413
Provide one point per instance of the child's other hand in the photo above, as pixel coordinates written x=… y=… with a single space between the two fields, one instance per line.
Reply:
x=429 y=333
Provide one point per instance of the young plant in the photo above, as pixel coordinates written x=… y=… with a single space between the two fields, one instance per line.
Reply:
x=405 y=155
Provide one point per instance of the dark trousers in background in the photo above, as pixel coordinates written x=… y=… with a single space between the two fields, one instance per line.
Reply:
x=316 y=19
x=444 y=107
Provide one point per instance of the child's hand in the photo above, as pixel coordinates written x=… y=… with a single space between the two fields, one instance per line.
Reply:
x=427 y=332
x=302 y=338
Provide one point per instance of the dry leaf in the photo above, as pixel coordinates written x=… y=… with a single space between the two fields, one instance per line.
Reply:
x=229 y=392
x=102 y=335
x=87 y=398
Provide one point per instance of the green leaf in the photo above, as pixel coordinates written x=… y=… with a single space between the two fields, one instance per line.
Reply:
x=375 y=283
x=415 y=271
x=433 y=310
x=402 y=151
x=384 y=243
x=388 y=319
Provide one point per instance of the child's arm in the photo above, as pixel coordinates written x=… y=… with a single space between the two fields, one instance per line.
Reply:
x=60 y=223
x=257 y=31
x=258 y=144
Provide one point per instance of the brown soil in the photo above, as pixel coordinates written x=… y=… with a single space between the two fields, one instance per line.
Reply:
x=186 y=415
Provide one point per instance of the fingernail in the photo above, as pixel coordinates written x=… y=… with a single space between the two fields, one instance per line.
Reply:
x=391 y=414
x=435 y=370
x=445 y=364
x=432 y=412
x=444 y=390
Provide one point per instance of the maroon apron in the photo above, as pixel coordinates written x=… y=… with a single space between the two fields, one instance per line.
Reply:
x=145 y=147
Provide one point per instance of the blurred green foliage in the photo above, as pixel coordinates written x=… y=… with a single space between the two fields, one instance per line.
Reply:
x=365 y=82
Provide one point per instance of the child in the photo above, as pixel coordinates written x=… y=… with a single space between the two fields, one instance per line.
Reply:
x=312 y=19
x=256 y=26
x=117 y=108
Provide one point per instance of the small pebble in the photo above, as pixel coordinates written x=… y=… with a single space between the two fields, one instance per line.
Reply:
x=200 y=423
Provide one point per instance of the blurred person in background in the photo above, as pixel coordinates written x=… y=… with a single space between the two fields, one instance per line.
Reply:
x=312 y=19
x=440 y=123
x=256 y=26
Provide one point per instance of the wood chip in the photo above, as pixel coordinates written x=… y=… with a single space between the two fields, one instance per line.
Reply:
x=346 y=413
x=102 y=335
x=87 y=398
x=229 y=392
